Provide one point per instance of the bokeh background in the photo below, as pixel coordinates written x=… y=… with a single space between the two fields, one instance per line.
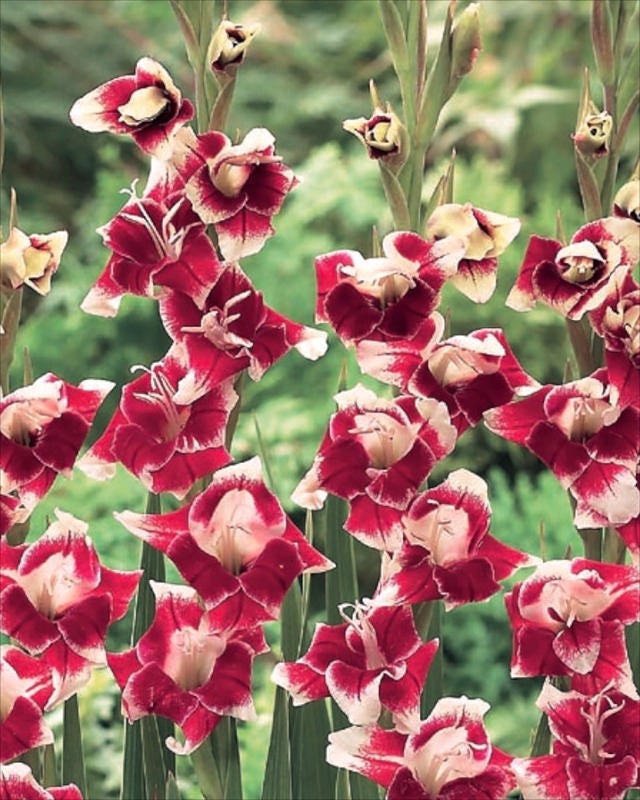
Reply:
x=306 y=72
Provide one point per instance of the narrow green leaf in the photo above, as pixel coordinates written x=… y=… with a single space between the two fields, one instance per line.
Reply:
x=541 y=744
x=153 y=761
x=33 y=758
x=171 y=789
x=226 y=754
x=434 y=687
x=395 y=197
x=10 y=323
x=1 y=132
x=343 y=788
x=207 y=774
x=277 y=775
x=311 y=777
x=362 y=788
x=133 y=784
x=435 y=91
x=291 y=622
x=632 y=633
x=262 y=451
x=589 y=189
x=50 y=775
x=341 y=584
x=396 y=39
x=73 y=770
x=186 y=28
x=222 y=105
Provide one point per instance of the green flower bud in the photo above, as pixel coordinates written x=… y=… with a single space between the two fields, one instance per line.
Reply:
x=466 y=43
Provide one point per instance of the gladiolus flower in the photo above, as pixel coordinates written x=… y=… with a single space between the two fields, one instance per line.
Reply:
x=187 y=669
x=626 y=203
x=166 y=444
x=590 y=445
x=57 y=601
x=568 y=618
x=448 y=551
x=375 y=454
x=591 y=139
x=147 y=106
x=382 y=135
x=155 y=242
x=596 y=750
x=31 y=260
x=42 y=427
x=237 y=188
x=486 y=235
x=233 y=331
x=581 y=276
x=17 y=783
x=25 y=687
x=373 y=660
x=234 y=544
x=229 y=45
x=385 y=298
x=448 y=758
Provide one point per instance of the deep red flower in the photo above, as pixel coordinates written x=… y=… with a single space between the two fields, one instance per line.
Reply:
x=42 y=427
x=581 y=276
x=186 y=668
x=167 y=444
x=17 y=783
x=568 y=618
x=596 y=748
x=26 y=685
x=146 y=105
x=449 y=757
x=385 y=298
x=448 y=551
x=234 y=544
x=373 y=660
x=57 y=601
x=234 y=330
x=375 y=454
x=238 y=188
x=590 y=444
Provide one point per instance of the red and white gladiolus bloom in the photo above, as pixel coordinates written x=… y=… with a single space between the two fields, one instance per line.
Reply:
x=568 y=618
x=17 y=783
x=596 y=747
x=591 y=445
x=42 y=427
x=167 y=444
x=57 y=601
x=375 y=454
x=187 y=669
x=234 y=544
x=373 y=660
x=449 y=757
x=147 y=106
x=447 y=551
x=26 y=685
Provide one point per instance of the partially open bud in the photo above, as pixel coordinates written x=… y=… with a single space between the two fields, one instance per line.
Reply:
x=626 y=203
x=466 y=43
x=592 y=136
x=383 y=134
x=30 y=260
x=229 y=44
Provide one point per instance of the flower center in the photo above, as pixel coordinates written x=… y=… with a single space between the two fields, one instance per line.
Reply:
x=385 y=439
x=382 y=278
x=160 y=395
x=444 y=532
x=216 y=324
x=584 y=416
x=231 y=173
x=569 y=600
x=361 y=624
x=192 y=656
x=55 y=586
x=579 y=262
x=145 y=105
x=23 y=420
x=167 y=241
x=600 y=708
x=447 y=756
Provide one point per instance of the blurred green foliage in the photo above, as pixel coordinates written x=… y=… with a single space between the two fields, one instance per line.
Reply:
x=306 y=71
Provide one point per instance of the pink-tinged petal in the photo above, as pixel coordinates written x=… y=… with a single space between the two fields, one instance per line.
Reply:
x=243 y=234
x=601 y=782
x=95 y=112
x=607 y=494
x=352 y=315
x=468 y=582
x=533 y=654
x=301 y=682
x=120 y=586
x=374 y=525
x=397 y=485
x=228 y=691
x=17 y=783
x=70 y=672
x=542 y=778
x=494 y=782
x=402 y=696
x=356 y=692
x=515 y=421
x=373 y=752
x=22 y=729
x=611 y=668
x=624 y=377
x=405 y=786
x=150 y=691
x=196 y=727
x=84 y=627
x=271 y=575
x=578 y=646
x=476 y=279
x=20 y=620
x=522 y=296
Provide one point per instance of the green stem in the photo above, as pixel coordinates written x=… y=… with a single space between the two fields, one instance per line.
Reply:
x=73 y=770
x=580 y=338
x=592 y=541
x=207 y=772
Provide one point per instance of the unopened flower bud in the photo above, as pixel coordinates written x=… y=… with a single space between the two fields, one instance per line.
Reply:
x=602 y=38
x=30 y=260
x=592 y=136
x=626 y=203
x=466 y=43
x=382 y=134
x=229 y=45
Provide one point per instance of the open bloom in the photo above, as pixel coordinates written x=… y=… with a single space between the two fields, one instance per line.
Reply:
x=617 y=321
x=449 y=757
x=375 y=454
x=167 y=444
x=234 y=330
x=373 y=660
x=42 y=427
x=57 y=601
x=185 y=668
x=568 y=618
x=237 y=188
x=25 y=687
x=579 y=277
x=385 y=298
x=147 y=106
x=448 y=551
x=486 y=235
x=596 y=748
x=156 y=241
x=234 y=544
x=590 y=444
x=17 y=781
x=31 y=260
